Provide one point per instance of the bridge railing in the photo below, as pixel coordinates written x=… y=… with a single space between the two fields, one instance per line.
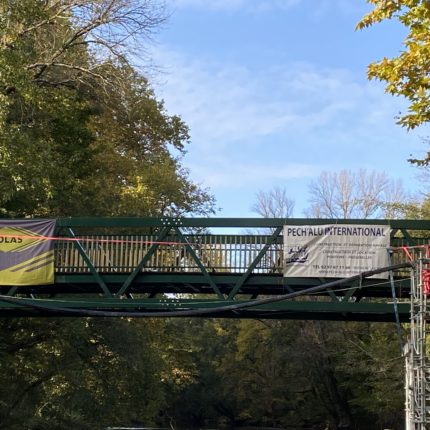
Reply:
x=118 y=245
x=122 y=253
x=217 y=253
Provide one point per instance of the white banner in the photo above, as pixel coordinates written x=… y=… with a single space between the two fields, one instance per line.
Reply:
x=335 y=250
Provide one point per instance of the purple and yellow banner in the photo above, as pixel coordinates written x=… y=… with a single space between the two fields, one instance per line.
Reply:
x=26 y=253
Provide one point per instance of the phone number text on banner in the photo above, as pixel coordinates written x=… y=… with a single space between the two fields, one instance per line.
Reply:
x=335 y=251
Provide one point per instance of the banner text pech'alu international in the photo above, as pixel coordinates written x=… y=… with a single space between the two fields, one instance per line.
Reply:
x=335 y=251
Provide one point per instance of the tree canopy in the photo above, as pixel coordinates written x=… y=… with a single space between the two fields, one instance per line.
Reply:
x=81 y=131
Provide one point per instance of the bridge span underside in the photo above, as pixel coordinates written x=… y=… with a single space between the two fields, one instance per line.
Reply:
x=206 y=267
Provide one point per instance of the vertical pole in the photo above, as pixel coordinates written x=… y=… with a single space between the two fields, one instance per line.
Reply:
x=396 y=310
x=418 y=368
x=408 y=386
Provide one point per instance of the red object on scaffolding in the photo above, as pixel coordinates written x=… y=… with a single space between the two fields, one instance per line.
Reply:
x=426 y=274
x=426 y=281
x=426 y=268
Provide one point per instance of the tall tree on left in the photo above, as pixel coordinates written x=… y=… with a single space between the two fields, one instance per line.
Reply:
x=82 y=133
x=62 y=64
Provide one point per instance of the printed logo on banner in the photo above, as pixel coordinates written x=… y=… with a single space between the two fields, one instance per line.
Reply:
x=297 y=254
x=335 y=251
x=26 y=257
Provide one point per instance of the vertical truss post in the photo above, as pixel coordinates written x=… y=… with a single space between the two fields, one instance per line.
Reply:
x=417 y=366
x=408 y=386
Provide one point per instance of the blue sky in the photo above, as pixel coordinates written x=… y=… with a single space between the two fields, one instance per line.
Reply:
x=275 y=92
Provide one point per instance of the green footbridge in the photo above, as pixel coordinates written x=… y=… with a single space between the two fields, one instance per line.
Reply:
x=211 y=267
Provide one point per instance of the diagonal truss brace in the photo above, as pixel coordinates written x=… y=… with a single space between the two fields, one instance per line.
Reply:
x=199 y=263
x=253 y=265
x=90 y=264
x=144 y=260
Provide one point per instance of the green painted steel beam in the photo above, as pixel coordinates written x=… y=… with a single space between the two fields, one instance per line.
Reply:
x=261 y=281
x=158 y=283
x=199 y=263
x=98 y=278
x=144 y=260
x=282 y=310
x=198 y=278
x=196 y=303
x=232 y=222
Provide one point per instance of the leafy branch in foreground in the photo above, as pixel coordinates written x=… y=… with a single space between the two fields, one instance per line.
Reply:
x=408 y=74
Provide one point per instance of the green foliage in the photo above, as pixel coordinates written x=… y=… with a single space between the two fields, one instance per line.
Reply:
x=202 y=401
x=135 y=139
x=407 y=74
x=82 y=133
x=197 y=373
x=46 y=154
x=288 y=374
x=370 y=368
x=70 y=373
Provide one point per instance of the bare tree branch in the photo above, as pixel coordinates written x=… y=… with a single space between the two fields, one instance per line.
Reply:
x=273 y=204
x=114 y=29
x=360 y=194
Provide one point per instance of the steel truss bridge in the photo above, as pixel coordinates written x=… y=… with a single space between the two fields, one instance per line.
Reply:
x=206 y=267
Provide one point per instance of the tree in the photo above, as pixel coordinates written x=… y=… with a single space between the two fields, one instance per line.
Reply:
x=371 y=368
x=135 y=138
x=86 y=373
x=274 y=203
x=81 y=131
x=204 y=401
x=407 y=74
x=272 y=389
x=361 y=194
x=71 y=42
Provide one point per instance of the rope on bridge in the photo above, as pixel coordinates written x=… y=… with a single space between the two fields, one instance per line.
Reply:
x=87 y=239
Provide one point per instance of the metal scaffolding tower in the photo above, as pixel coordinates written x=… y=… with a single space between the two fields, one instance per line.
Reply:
x=417 y=380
